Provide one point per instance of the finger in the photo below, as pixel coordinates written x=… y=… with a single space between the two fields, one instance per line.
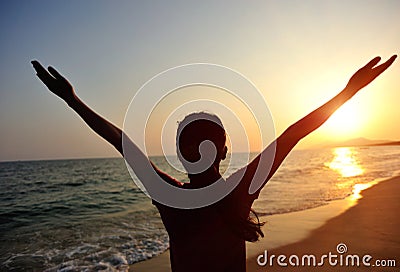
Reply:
x=38 y=67
x=41 y=72
x=380 y=68
x=372 y=62
x=55 y=73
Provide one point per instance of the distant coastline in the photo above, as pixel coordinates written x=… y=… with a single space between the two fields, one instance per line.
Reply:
x=358 y=142
x=385 y=143
x=374 y=143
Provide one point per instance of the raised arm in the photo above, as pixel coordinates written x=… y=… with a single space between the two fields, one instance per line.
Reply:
x=58 y=85
x=292 y=135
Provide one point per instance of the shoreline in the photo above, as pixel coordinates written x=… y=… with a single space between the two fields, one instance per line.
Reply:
x=305 y=231
x=368 y=228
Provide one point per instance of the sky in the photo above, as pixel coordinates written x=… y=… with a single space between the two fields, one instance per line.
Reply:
x=298 y=54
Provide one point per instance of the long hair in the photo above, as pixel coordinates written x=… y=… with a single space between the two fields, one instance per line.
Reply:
x=247 y=227
x=192 y=131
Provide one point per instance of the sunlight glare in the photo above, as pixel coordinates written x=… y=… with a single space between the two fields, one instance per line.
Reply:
x=345 y=162
x=345 y=120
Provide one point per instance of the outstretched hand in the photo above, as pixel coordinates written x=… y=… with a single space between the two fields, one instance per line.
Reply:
x=55 y=82
x=368 y=73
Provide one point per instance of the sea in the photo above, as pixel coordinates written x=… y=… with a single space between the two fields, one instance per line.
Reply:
x=89 y=215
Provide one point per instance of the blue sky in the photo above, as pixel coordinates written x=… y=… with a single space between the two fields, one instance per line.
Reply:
x=298 y=53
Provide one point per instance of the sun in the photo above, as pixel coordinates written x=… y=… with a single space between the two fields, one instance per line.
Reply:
x=345 y=121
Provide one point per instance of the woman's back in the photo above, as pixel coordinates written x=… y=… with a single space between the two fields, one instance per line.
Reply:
x=209 y=238
x=202 y=240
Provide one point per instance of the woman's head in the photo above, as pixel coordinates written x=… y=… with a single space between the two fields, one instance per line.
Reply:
x=196 y=128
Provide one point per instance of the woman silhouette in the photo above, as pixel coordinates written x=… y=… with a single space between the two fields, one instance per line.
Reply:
x=212 y=238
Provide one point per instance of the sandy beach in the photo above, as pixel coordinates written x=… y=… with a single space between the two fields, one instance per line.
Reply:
x=366 y=226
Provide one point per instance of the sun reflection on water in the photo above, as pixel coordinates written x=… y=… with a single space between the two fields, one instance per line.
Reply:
x=345 y=162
